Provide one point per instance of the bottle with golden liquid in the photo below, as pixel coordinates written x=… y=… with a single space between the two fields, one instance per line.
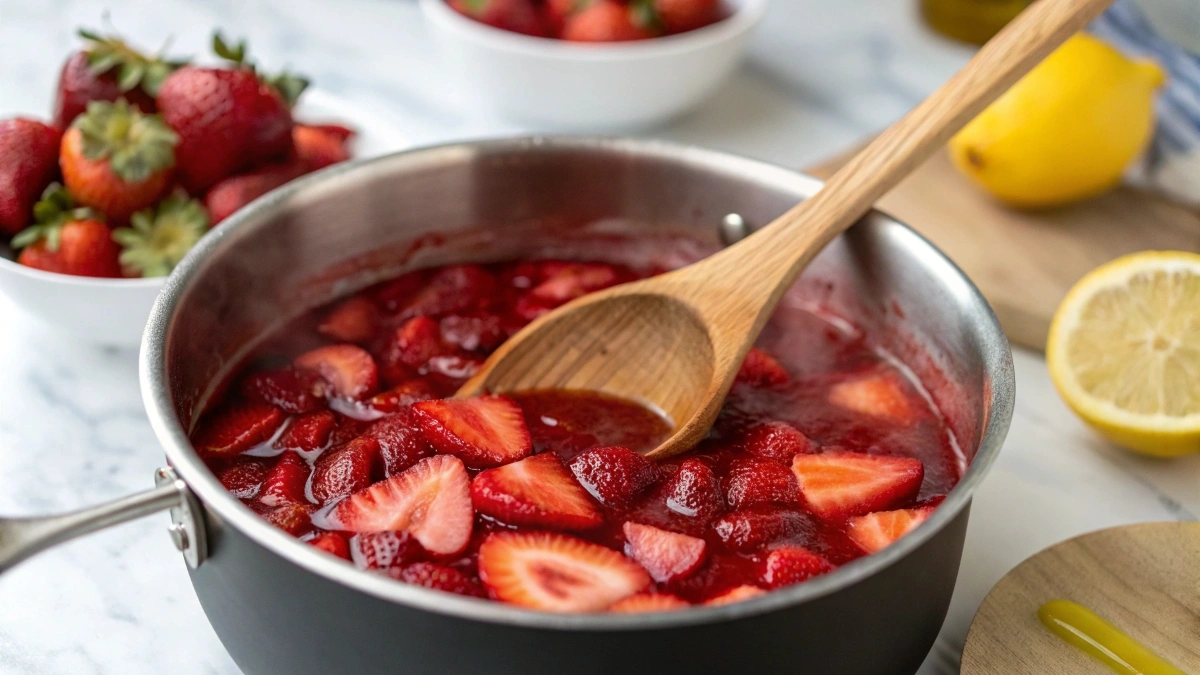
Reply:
x=973 y=21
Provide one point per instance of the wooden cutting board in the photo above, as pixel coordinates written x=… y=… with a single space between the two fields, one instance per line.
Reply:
x=1024 y=262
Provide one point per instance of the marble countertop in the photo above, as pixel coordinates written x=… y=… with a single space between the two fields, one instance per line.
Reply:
x=72 y=430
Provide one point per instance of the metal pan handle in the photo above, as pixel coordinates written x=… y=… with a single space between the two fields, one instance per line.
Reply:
x=21 y=538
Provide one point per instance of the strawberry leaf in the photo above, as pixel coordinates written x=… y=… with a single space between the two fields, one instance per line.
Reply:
x=136 y=145
x=158 y=237
x=133 y=68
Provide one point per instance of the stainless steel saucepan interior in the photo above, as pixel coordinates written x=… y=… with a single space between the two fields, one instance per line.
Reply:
x=282 y=606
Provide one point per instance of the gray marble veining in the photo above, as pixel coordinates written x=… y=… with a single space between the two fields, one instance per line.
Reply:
x=72 y=432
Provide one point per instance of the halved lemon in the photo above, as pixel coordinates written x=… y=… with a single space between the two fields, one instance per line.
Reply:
x=1124 y=351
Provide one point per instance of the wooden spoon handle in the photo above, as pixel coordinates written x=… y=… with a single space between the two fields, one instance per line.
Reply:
x=771 y=259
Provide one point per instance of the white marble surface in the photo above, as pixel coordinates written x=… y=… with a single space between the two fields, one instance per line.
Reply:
x=72 y=429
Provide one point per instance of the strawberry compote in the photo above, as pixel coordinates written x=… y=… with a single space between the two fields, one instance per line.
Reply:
x=340 y=432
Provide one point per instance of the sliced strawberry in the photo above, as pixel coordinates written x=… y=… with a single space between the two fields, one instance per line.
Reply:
x=453 y=289
x=285 y=483
x=694 y=491
x=437 y=577
x=760 y=481
x=665 y=555
x=472 y=332
x=308 y=433
x=396 y=293
x=354 y=320
x=431 y=501
x=876 y=395
x=244 y=477
x=839 y=485
x=648 y=602
x=332 y=542
x=291 y=390
x=451 y=370
x=415 y=342
x=401 y=443
x=556 y=572
x=344 y=470
x=876 y=531
x=737 y=594
x=789 y=565
x=234 y=429
x=401 y=396
x=749 y=530
x=484 y=432
x=295 y=519
x=381 y=550
x=574 y=281
x=350 y=370
x=534 y=492
x=614 y=475
x=776 y=441
x=346 y=429
x=760 y=369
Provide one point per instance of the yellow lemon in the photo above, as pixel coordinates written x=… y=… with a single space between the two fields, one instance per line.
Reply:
x=1064 y=132
x=1124 y=351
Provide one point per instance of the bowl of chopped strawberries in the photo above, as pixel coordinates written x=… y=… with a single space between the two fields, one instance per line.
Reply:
x=142 y=156
x=592 y=64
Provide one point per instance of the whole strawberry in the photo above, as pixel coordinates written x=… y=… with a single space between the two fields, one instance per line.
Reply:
x=518 y=16
x=228 y=119
x=678 y=16
x=235 y=192
x=158 y=238
x=610 y=21
x=68 y=240
x=116 y=159
x=107 y=69
x=317 y=148
x=28 y=163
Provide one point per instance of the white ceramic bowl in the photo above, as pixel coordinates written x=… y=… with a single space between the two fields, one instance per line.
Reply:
x=113 y=312
x=554 y=84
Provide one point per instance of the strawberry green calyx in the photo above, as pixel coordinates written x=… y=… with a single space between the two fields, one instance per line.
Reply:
x=135 y=144
x=158 y=237
x=645 y=16
x=55 y=209
x=132 y=68
x=289 y=85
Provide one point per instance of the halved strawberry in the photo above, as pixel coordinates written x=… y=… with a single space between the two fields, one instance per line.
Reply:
x=776 y=441
x=437 y=577
x=431 y=501
x=732 y=595
x=694 y=491
x=760 y=481
x=749 y=530
x=344 y=470
x=839 y=485
x=353 y=320
x=665 y=555
x=573 y=281
x=349 y=369
x=234 y=429
x=649 y=602
x=556 y=572
x=381 y=550
x=877 y=395
x=483 y=432
x=534 y=492
x=285 y=482
x=453 y=289
x=614 y=475
x=415 y=342
x=401 y=443
x=307 y=433
x=789 y=565
x=401 y=396
x=332 y=542
x=292 y=390
x=396 y=293
x=760 y=369
x=483 y=332
x=244 y=477
x=295 y=519
x=346 y=429
x=876 y=531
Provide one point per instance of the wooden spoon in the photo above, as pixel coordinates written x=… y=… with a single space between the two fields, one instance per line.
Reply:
x=675 y=342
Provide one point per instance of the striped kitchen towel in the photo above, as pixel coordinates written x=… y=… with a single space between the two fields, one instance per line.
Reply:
x=1143 y=28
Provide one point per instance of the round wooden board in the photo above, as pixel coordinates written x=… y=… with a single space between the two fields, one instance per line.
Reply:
x=1144 y=579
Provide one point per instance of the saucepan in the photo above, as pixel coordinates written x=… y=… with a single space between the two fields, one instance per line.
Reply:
x=282 y=606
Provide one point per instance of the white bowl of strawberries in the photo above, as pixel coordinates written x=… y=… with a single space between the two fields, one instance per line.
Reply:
x=142 y=158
